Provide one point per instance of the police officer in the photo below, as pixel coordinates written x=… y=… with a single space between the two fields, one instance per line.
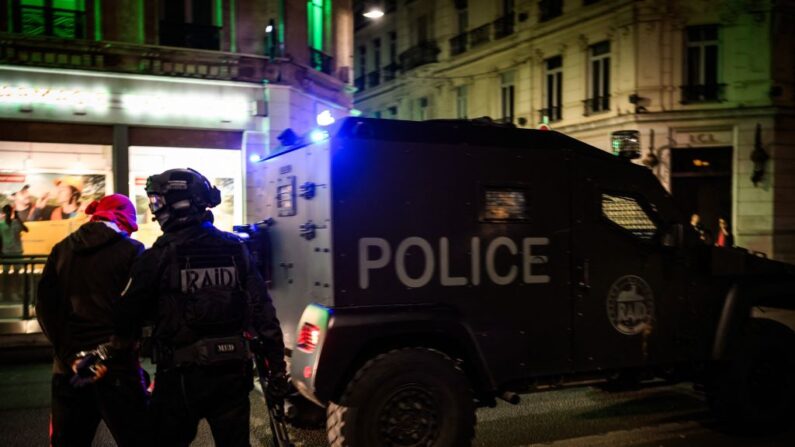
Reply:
x=197 y=285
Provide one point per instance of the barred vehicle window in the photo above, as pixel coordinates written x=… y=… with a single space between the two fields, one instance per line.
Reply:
x=627 y=212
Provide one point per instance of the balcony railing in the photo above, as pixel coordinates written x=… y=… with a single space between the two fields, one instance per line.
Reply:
x=190 y=35
x=43 y=21
x=552 y=114
x=703 y=93
x=374 y=78
x=360 y=83
x=503 y=26
x=320 y=61
x=458 y=44
x=480 y=35
x=390 y=71
x=420 y=54
x=138 y=59
x=597 y=104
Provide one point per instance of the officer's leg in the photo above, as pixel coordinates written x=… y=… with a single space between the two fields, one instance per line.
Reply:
x=174 y=422
x=74 y=415
x=121 y=399
x=228 y=410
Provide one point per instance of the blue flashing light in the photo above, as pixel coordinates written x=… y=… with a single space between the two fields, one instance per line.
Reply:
x=318 y=135
x=324 y=118
x=254 y=158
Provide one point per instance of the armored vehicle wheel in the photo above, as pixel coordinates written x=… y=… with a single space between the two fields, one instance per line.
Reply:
x=405 y=397
x=756 y=392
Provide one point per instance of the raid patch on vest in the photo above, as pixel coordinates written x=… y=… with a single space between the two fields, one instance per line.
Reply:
x=630 y=305
x=192 y=280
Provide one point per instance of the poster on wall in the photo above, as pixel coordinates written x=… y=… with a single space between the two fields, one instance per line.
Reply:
x=51 y=205
x=149 y=229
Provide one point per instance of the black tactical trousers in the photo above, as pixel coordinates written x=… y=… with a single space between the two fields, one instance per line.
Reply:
x=220 y=394
x=119 y=399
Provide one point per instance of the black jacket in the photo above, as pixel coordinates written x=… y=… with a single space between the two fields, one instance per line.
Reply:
x=81 y=283
x=155 y=279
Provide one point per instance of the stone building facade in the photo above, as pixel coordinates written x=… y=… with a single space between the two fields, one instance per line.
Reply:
x=710 y=86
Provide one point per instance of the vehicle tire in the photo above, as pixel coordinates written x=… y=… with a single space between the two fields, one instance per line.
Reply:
x=756 y=391
x=405 y=397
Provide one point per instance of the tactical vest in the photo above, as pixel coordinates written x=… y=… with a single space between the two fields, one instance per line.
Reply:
x=206 y=307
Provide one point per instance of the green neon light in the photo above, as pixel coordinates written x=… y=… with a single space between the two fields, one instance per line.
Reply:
x=219 y=13
x=281 y=21
x=232 y=27
x=141 y=37
x=314 y=14
x=98 y=20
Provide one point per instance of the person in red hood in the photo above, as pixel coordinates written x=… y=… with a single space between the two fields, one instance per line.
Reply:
x=82 y=282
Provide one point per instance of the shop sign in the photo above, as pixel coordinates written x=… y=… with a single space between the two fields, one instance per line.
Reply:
x=701 y=138
x=191 y=104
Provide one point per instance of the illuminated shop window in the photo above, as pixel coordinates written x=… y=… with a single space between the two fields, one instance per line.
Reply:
x=628 y=213
x=57 y=18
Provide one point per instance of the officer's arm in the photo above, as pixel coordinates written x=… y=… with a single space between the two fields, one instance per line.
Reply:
x=265 y=322
x=138 y=300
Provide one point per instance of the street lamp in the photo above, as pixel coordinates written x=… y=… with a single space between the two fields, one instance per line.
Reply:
x=374 y=13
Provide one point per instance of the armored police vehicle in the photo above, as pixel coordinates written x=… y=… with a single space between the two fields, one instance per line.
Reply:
x=422 y=269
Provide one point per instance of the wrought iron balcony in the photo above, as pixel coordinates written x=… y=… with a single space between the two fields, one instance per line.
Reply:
x=480 y=35
x=458 y=44
x=703 y=93
x=503 y=26
x=551 y=113
x=43 y=21
x=320 y=61
x=420 y=54
x=390 y=71
x=597 y=104
x=373 y=78
x=190 y=35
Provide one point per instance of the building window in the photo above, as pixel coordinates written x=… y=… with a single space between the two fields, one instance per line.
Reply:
x=458 y=44
x=421 y=109
x=375 y=75
x=507 y=96
x=599 y=82
x=461 y=101
x=362 y=68
x=318 y=13
x=390 y=69
x=553 y=90
x=549 y=9
x=422 y=29
x=190 y=24
x=701 y=65
x=57 y=18
x=393 y=112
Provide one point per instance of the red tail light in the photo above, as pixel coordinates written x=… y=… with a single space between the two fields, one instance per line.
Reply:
x=308 y=338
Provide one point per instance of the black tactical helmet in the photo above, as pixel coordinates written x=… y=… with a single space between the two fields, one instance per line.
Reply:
x=180 y=196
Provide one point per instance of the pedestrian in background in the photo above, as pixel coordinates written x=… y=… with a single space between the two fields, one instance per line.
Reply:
x=725 y=237
x=81 y=284
x=11 y=228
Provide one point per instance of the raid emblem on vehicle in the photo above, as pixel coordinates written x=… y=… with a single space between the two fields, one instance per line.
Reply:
x=630 y=305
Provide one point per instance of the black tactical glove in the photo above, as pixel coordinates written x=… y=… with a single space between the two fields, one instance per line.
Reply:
x=275 y=392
